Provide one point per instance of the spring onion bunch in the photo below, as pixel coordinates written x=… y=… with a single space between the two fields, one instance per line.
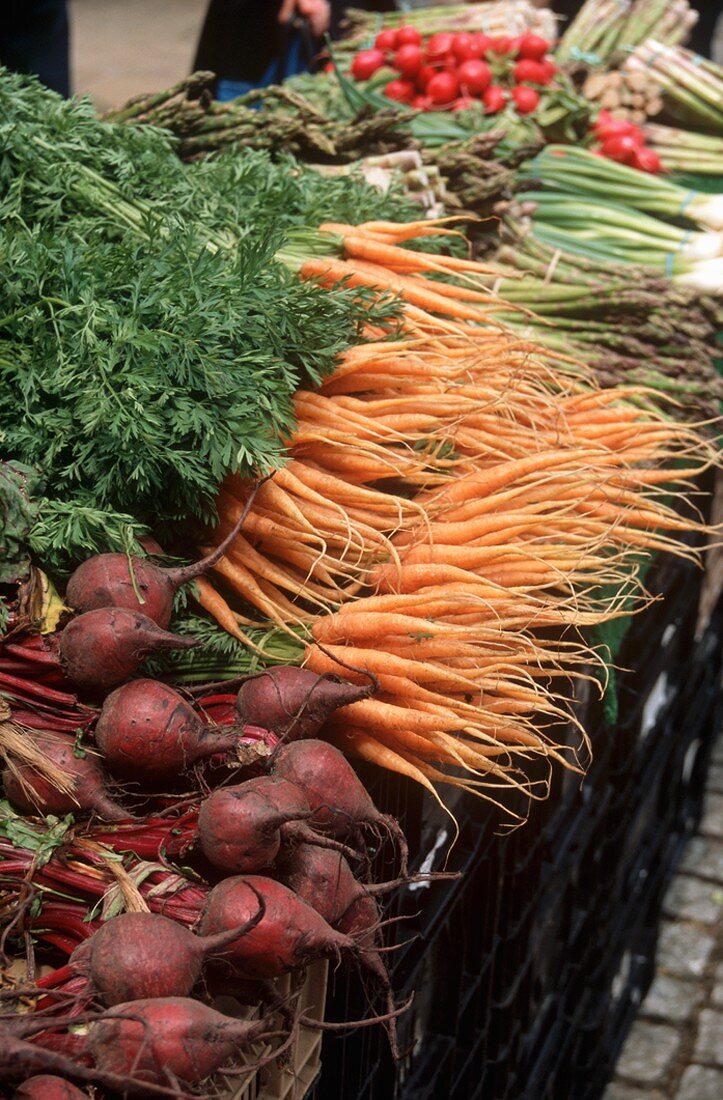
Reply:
x=584 y=174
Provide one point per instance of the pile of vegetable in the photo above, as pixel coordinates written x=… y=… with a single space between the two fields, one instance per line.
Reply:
x=451 y=71
x=411 y=517
x=274 y=842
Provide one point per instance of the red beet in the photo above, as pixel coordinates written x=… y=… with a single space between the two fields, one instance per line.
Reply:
x=323 y=879
x=143 y=955
x=47 y=1087
x=115 y=580
x=294 y=702
x=32 y=793
x=242 y=829
x=101 y=649
x=167 y=1038
x=146 y=727
x=336 y=795
x=290 y=935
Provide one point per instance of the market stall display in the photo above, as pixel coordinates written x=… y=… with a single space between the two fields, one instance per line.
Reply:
x=293 y=476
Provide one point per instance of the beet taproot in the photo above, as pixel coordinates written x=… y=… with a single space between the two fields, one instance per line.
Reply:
x=117 y=580
x=294 y=702
x=46 y=1086
x=146 y=728
x=33 y=793
x=100 y=649
x=137 y=956
x=167 y=1039
x=337 y=796
x=242 y=829
x=290 y=935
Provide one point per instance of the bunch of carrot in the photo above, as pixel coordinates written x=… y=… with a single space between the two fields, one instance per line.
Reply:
x=448 y=496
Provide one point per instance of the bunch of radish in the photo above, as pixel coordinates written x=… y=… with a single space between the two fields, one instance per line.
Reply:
x=455 y=71
x=623 y=141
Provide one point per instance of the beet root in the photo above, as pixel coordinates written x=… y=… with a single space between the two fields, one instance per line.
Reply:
x=32 y=793
x=294 y=702
x=243 y=829
x=137 y=956
x=47 y=1087
x=100 y=649
x=115 y=580
x=146 y=727
x=166 y=1039
x=323 y=879
x=291 y=934
x=334 y=791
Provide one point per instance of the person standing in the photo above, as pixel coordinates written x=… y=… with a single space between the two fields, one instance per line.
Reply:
x=35 y=38
x=251 y=43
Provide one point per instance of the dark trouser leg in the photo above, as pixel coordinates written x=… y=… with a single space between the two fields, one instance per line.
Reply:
x=34 y=38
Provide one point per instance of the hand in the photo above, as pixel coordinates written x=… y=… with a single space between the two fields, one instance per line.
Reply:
x=318 y=12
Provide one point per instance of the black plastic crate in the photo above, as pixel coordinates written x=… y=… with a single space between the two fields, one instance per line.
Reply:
x=530 y=968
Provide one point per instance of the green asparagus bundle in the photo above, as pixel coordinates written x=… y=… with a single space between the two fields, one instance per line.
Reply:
x=628 y=325
x=692 y=86
x=604 y=31
x=685 y=150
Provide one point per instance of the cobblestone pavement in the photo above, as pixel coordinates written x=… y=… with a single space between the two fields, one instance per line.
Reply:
x=675 y=1048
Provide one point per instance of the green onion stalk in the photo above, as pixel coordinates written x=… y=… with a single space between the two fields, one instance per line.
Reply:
x=586 y=175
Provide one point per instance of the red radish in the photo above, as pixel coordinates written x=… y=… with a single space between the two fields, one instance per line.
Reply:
x=465 y=46
x=424 y=76
x=502 y=44
x=439 y=45
x=646 y=160
x=116 y=580
x=494 y=99
x=408 y=60
x=294 y=702
x=242 y=829
x=400 y=90
x=549 y=67
x=474 y=77
x=531 y=71
x=366 y=63
x=484 y=43
x=621 y=148
x=167 y=1039
x=386 y=41
x=290 y=934
x=32 y=793
x=618 y=127
x=421 y=103
x=533 y=46
x=408 y=36
x=47 y=1087
x=143 y=955
x=147 y=728
x=526 y=99
x=334 y=791
x=463 y=103
x=443 y=88
x=100 y=649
